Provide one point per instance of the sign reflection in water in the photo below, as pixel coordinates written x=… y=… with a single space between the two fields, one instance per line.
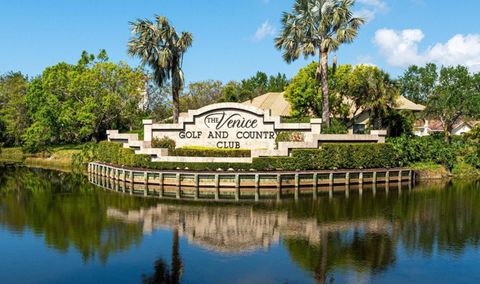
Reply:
x=326 y=238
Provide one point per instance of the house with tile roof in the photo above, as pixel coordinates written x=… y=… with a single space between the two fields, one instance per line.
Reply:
x=425 y=127
x=278 y=105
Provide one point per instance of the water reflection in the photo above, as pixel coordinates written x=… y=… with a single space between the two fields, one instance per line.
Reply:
x=67 y=211
x=162 y=272
x=324 y=237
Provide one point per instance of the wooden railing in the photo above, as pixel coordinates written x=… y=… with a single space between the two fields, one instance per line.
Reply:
x=241 y=186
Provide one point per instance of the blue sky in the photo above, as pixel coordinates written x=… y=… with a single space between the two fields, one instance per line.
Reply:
x=234 y=38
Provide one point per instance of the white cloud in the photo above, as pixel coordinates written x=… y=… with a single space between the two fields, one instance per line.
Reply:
x=367 y=14
x=377 y=4
x=400 y=48
x=370 y=8
x=365 y=60
x=264 y=30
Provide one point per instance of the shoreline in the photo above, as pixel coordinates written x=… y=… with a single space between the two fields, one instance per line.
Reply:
x=61 y=159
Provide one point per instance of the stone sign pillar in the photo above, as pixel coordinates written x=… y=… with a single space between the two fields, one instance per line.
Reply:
x=147 y=128
x=316 y=124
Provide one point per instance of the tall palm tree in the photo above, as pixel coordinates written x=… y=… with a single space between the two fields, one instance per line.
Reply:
x=159 y=46
x=318 y=26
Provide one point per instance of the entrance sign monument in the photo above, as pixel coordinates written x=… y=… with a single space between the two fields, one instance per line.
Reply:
x=233 y=126
x=227 y=126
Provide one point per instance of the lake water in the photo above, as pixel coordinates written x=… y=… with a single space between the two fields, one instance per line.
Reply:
x=58 y=228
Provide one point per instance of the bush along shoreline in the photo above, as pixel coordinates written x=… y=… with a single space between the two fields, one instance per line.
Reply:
x=429 y=155
x=460 y=157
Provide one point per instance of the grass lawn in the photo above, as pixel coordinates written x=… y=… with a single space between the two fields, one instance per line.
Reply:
x=56 y=156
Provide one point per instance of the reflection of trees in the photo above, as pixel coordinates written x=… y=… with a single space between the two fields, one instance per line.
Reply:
x=162 y=273
x=430 y=218
x=368 y=252
x=446 y=220
x=355 y=233
x=67 y=211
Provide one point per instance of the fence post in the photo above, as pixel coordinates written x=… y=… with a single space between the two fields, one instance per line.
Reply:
x=237 y=187
x=132 y=181
x=257 y=187
x=330 y=184
x=217 y=187
x=160 y=177
x=347 y=184
x=196 y=181
x=179 y=184
x=279 y=186
x=145 y=176
x=297 y=186
x=360 y=183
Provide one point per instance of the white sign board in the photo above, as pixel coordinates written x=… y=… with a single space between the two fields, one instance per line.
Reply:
x=224 y=126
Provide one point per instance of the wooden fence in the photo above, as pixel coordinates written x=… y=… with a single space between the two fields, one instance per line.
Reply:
x=239 y=186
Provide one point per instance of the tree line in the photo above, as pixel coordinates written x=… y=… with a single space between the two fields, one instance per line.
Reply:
x=450 y=94
x=76 y=103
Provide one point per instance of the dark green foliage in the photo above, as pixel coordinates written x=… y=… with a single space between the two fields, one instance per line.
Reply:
x=164 y=142
x=193 y=152
x=288 y=136
x=254 y=86
x=114 y=153
x=200 y=94
x=13 y=110
x=71 y=104
x=330 y=156
x=427 y=149
x=336 y=127
x=472 y=157
x=399 y=122
x=303 y=92
x=333 y=156
x=418 y=83
x=295 y=119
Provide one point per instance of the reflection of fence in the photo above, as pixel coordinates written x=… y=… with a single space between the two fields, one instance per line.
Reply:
x=245 y=185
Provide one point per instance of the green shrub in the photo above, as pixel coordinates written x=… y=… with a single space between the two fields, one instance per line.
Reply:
x=333 y=156
x=330 y=156
x=472 y=156
x=336 y=127
x=289 y=136
x=210 y=152
x=14 y=155
x=164 y=142
x=295 y=119
x=414 y=149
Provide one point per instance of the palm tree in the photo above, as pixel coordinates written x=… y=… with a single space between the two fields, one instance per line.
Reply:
x=374 y=91
x=160 y=47
x=318 y=26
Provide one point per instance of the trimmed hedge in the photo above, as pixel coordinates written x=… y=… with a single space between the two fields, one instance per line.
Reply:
x=330 y=156
x=333 y=156
x=164 y=142
x=208 y=152
x=114 y=153
x=427 y=149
